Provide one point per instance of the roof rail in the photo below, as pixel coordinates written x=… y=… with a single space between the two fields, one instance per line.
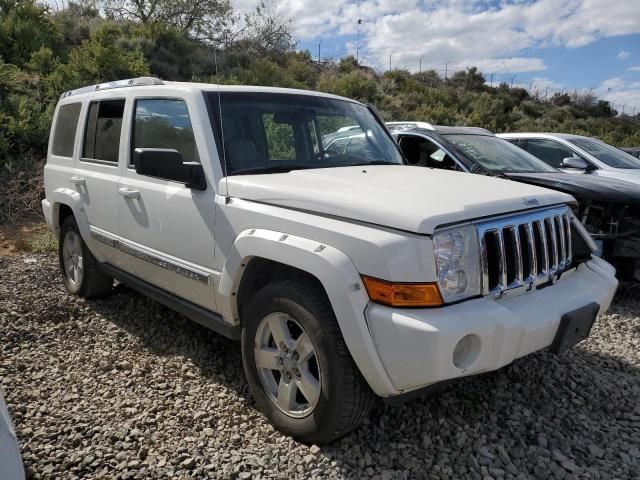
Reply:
x=129 y=82
x=406 y=125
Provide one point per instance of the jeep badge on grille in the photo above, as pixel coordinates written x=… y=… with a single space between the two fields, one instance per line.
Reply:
x=530 y=201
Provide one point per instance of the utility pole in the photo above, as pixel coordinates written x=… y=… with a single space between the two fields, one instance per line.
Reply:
x=491 y=81
x=319 y=45
x=358 y=42
x=420 y=69
x=390 y=55
x=446 y=68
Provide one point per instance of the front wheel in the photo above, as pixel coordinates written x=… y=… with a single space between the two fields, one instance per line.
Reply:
x=297 y=364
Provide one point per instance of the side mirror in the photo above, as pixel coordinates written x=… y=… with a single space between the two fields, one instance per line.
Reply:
x=167 y=164
x=575 y=162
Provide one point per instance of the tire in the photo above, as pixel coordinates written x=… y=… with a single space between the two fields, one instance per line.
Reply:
x=86 y=280
x=344 y=397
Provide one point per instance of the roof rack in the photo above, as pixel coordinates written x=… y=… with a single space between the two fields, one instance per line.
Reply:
x=129 y=82
x=406 y=125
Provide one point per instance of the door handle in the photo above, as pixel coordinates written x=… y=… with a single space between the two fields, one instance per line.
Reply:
x=77 y=181
x=129 y=193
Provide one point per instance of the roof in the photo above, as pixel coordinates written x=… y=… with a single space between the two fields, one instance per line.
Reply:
x=441 y=129
x=540 y=135
x=137 y=84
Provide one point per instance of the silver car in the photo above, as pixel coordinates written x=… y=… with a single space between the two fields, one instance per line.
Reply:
x=578 y=154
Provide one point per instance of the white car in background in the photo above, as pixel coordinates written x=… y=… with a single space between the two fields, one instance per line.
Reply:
x=10 y=460
x=578 y=154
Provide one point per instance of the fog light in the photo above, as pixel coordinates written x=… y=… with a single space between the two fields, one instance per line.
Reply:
x=466 y=351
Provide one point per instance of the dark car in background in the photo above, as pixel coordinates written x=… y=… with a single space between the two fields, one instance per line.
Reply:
x=608 y=208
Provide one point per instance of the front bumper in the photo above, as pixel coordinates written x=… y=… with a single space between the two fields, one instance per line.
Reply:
x=417 y=347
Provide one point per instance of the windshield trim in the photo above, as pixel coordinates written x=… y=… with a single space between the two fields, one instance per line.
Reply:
x=212 y=101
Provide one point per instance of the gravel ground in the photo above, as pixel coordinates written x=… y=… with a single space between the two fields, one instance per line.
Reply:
x=124 y=388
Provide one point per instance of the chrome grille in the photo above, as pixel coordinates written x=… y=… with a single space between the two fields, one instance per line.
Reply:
x=524 y=249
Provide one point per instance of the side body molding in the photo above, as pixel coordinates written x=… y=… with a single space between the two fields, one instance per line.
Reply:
x=333 y=269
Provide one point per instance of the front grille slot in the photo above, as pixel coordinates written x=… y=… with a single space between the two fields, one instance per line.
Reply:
x=521 y=250
x=492 y=247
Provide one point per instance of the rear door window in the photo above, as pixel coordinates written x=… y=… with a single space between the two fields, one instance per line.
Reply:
x=64 y=131
x=102 y=132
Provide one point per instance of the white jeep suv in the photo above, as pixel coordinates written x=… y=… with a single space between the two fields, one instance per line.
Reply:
x=344 y=272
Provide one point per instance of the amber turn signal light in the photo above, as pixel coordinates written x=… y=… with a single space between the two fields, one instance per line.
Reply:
x=402 y=294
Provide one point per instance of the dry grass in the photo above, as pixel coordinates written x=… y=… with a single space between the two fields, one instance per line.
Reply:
x=32 y=237
x=20 y=195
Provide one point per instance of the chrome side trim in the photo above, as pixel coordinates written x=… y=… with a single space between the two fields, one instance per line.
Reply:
x=153 y=259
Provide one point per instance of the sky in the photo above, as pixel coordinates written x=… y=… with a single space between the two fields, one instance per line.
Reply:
x=541 y=45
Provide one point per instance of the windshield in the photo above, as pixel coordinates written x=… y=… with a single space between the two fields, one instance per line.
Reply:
x=606 y=153
x=497 y=155
x=279 y=132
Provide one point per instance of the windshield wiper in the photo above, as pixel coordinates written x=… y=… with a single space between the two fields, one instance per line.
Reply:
x=287 y=167
x=376 y=162
x=481 y=170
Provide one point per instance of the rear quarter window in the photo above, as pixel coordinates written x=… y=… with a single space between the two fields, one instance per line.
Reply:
x=64 y=130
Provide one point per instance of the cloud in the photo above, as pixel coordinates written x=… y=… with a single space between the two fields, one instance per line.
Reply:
x=541 y=86
x=635 y=69
x=462 y=32
x=619 y=92
x=623 y=55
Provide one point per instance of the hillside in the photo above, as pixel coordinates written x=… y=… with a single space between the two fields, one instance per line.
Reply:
x=44 y=53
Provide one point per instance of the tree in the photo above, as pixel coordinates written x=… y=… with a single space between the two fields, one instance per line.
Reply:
x=201 y=19
x=472 y=79
x=267 y=29
x=24 y=28
x=98 y=59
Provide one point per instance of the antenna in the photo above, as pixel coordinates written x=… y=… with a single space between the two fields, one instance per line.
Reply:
x=227 y=198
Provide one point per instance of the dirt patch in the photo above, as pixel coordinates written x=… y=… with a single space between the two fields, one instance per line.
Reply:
x=18 y=239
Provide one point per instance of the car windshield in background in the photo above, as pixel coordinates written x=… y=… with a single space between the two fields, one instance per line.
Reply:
x=279 y=132
x=497 y=155
x=606 y=153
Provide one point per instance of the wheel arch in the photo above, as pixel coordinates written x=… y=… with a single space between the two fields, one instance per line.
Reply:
x=276 y=254
x=260 y=271
x=66 y=202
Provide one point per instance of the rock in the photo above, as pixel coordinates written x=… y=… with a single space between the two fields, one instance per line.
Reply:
x=558 y=456
x=386 y=475
x=124 y=388
x=568 y=465
x=596 y=451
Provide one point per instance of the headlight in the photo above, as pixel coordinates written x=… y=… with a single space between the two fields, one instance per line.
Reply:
x=457 y=256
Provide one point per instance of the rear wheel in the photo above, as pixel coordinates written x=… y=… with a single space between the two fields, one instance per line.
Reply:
x=297 y=364
x=81 y=272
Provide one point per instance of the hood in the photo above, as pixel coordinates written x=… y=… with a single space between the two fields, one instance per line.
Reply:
x=585 y=186
x=414 y=199
x=620 y=175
